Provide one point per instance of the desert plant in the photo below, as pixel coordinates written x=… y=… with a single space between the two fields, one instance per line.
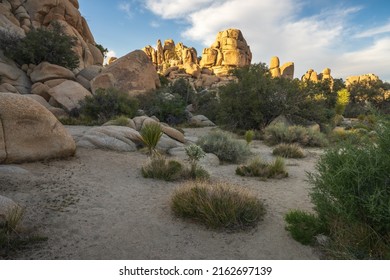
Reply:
x=280 y=133
x=288 y=151
x=150 y=135
x=194 y=153
x=217 y=205
x=120 y=121
x=41 y=44
x=224 y=146
x=258 y=168
x=351 y=189
x=249 y=135
x=109 y=103
x=342 y=101
x=159 y=167
x=303 y=226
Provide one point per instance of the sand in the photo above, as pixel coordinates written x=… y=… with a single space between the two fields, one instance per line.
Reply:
x=97 y=205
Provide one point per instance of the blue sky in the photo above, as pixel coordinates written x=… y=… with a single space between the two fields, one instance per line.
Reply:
x=350 y=37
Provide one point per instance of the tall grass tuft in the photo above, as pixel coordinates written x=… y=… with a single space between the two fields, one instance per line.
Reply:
x=258 y=168
x=289 y=151
x=159 y=167
x=217 y=205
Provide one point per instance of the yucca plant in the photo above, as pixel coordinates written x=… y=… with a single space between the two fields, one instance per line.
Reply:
x=150 y=135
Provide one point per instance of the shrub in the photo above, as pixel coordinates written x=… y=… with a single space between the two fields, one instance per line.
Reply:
x=42 y=44
x=183 y=88
x=249 y=135
x=288 y=151
x=160 y=168
x=280 y=133
x=120 y=121
x=342 y=101
x=167 y=107
x=107 y=104
x=217 y=205
x=195 y=153
x=150 y=135
x=351 y=190
x=206 y=103
x=224 y=146
x=258 y=168
x=303 y=226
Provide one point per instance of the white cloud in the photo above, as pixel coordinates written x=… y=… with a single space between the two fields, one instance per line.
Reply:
x=110 y=53
x=126 y=8
x=324 y=39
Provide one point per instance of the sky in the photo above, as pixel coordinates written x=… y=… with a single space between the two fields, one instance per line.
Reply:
x=351 y=37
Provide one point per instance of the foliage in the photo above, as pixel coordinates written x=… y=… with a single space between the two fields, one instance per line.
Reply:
x=288 y=151
x=159 y=167
x=224 y=146
x=194 y=153
x=351 y=190
x=41 y=44
x=109 y=103
x=280 y=133
x=258 y=168
x=167 y=107
x=120 y=121
x=249 y=135
x=182 y=88
x=303 y=226
x=342 y=101
x=217 y=205
x=206 y=103
x=150 y=135
x=256 y=99
x=102 y=49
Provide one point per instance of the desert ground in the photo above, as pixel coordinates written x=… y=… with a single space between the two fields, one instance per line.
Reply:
x=97 y=205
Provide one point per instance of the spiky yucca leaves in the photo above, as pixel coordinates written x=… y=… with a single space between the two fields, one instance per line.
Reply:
x=150 y=135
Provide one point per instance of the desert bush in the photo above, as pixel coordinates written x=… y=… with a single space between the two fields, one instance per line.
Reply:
x=183 y=88
x=249 y=135
x=120 y=121
x=342 y=101
x=150 y=135
x=206 y=103
x=166 y=106
x=280 y=133
x=107 y=104
x=351 y=190
x=224 y=146
x=159 y=167
x=217 y=205
x=41 y=44
x=195 y=153
x=258 y=168
x=303 y=226
x=289 y=151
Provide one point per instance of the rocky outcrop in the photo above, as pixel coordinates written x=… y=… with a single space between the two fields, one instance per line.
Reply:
x=133 y=73
x=364 y=79
x=312 y=75
x=46 y=71
x=230 y=50
x=29 y=132
x=286 y=71
x=12 y=79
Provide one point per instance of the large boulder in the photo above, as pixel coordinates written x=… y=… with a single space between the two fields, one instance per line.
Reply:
x=133 y=73
x=69 y=94
x=29 y=132
x=6 y=206
x=46 y=71
x=12 y=77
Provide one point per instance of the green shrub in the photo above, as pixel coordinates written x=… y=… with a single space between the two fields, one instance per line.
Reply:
x=224 y=146
x=351 y=188
x=182 y=88
x=288 y=151
x=150 y=135
x=167 y=107
x=107 y=104
x=206 y=103
x=249 y=135
x=342 y=101
x=217 y=205
x=258 y=168
x=160 y=168
x=195 y=153
x=42 y=44
x=303 y=226
x=280 y=133
x=120 y=121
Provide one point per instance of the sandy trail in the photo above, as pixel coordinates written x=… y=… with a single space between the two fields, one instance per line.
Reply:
x=97 y=205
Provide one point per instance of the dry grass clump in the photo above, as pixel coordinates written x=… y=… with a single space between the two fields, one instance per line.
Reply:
x=288 y=151
x=217 y=205
x=159 y=167
x=258 y=168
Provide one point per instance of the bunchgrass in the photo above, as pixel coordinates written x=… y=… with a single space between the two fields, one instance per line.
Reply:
x=225 y=146
x=303 y=226
x=280 y=133
x=217 y=205
x=258 y=168
x=288 y=151
x=161 y=168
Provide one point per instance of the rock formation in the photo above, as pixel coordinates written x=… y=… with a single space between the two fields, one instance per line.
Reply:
x=361 y=79
x=229 y=51
x=133 y=73
x=29 y=132
x=19 y=17
x=286 y=71
x=312 y=75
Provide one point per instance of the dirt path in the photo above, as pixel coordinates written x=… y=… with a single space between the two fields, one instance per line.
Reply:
x=97 y=205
